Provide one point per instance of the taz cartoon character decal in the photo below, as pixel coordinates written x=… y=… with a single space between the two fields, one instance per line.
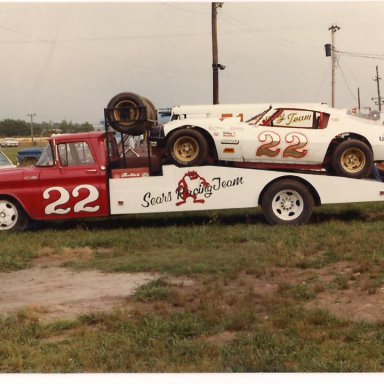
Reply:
x=191 y=185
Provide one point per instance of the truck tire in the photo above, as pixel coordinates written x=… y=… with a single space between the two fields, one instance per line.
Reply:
x=12 y=216
x=187 y=147
x=126 y=113
x=352 y=158
x=287 y=202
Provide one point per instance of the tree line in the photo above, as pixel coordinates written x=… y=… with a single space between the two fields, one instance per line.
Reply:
x=20 y=128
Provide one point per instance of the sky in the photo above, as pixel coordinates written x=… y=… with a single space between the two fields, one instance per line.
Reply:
x=65 y=61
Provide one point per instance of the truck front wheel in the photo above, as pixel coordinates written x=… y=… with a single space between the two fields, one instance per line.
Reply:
x=12 y=216
x=287 y=202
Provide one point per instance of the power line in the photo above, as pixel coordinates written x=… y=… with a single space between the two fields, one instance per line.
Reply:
x=120 y=60
x=362 y=55
x=345 y=81
x=262 y=35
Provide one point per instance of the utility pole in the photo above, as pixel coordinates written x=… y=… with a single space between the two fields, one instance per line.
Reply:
x=31 y=116
x=215 y=54
x=333 y=29
x=377 y=79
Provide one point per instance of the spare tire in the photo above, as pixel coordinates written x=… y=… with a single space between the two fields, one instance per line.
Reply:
x=126 y=113
x=151 y=109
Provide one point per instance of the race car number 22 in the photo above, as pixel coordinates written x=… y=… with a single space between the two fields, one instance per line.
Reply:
x=57 y=207
x=294 y=145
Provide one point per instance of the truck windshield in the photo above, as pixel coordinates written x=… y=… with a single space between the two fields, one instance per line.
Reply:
x=46 y=158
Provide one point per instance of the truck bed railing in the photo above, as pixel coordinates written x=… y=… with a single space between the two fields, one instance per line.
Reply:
x=133 y=126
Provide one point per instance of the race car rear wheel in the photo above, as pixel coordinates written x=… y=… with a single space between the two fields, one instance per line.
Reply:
x=287 y=202
x=12 y=216
x=352 y=158
x=187 y=147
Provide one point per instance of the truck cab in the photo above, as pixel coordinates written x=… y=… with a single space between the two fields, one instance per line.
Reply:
x=69 y=180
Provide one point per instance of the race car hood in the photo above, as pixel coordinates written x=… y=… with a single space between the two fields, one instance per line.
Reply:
x=201 y=122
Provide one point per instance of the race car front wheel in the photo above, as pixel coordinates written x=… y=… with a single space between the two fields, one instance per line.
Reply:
x=287 y=202
x=352 y=158
x=187 y=147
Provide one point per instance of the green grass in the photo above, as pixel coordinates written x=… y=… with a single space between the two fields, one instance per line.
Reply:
x=219 y=323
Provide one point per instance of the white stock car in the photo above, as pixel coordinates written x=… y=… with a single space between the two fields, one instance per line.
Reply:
x=9 y=142
x=305 y=137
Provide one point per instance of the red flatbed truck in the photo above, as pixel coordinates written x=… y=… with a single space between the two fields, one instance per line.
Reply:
x=87 y=175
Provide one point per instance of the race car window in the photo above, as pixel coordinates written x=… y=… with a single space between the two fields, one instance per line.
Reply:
x=323 y=120
x=75 y=154
x=255 y=119
x=293 y=118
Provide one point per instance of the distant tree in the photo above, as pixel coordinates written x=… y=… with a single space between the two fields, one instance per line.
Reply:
x=20 y=128
x=86 y=127
x=70 y=127
x=17 y=128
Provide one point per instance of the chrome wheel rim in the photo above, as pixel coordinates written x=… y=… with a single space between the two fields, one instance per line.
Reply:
x=8 y=215
x=288 y=205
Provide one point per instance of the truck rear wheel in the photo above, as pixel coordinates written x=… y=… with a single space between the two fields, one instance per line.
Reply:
x=287 y=202
x=126 y=113
x=12 y=216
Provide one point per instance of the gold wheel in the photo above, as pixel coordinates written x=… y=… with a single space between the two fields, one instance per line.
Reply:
x=353 y=160
x=126 y=113
x=186 y=149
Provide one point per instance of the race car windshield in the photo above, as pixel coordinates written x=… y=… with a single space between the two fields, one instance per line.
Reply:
x=255 y=119
x=46 y=158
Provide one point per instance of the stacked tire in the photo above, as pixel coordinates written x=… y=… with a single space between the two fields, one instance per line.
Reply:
x=130 y=113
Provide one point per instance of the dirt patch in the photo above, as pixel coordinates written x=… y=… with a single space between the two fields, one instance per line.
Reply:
x=51 y=291
x=58 y=293
x=350 y=291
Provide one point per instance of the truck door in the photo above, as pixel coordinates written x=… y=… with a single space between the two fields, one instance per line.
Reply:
x=76 y=186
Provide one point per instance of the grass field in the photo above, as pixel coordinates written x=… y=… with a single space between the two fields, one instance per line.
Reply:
x=235 y=295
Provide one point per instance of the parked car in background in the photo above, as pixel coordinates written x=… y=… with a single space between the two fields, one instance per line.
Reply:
x=5 y=162
x=9 y=142
x=29 y=156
